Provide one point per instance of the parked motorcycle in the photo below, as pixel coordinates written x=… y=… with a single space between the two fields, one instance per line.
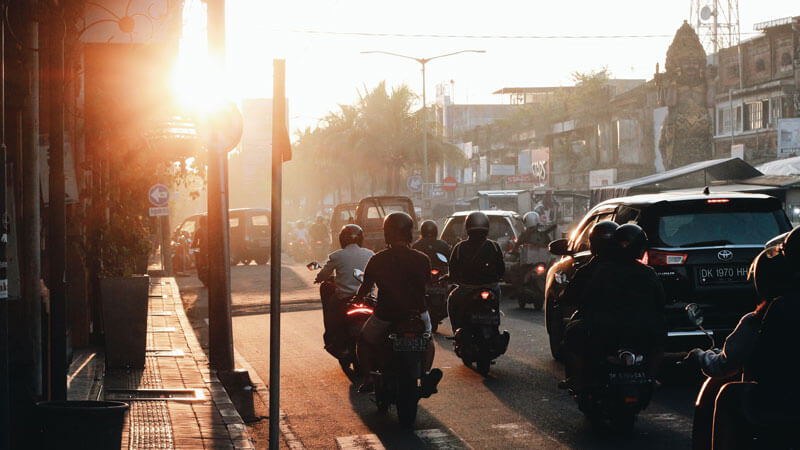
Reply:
x=533 y=263
x=436 y=293
x=400 y=378
x=480 y=340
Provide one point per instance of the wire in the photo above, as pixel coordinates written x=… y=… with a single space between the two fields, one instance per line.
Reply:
x=482 y=36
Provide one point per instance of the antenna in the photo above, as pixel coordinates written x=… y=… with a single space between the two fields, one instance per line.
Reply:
x=716 y=23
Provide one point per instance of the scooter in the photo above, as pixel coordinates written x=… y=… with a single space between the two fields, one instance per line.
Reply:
x=319 y=250
x=534 y=261
x=436 y=292
x=401 y=379
x=480 y=340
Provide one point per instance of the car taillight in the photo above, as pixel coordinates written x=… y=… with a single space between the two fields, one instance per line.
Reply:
x=540 y=269
x=658 y=258
x=717 y=200
x=485 y=294
x=434 y=272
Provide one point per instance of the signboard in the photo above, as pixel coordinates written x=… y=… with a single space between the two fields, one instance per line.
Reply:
x=158 y=195
x=737 y=151
x=526 y=178
x=524 y=162
x=540 y=166
x=602 y=177
x=788 y=137
x=159 y=211
x=222 y=130
x=414 y=183
x=502 y=169
x=449 y=184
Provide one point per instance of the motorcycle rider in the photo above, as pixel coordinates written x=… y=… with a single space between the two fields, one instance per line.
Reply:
x=318 y=230
x=535 y=233
x=475 y=261
x=758 y=347
x=401 y=274
x=341 y=263
x=621 y=304
x=429 y=244
x=602 y=246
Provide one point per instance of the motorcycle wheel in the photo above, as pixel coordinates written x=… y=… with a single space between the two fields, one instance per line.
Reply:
x=381 y=400
x=483 y=365
x=407 y=401
x=261 y=260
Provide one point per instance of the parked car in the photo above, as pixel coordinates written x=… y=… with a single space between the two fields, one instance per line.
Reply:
x=181 y=243
x=343 y=214
x=504 y=228
x=700 y=245
x=249 y=235
x=370 y=213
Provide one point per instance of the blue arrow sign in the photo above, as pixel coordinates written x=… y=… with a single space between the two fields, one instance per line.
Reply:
x=158 y=195
x=414 y=183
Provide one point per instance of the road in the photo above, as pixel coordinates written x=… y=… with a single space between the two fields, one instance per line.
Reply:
x=517 y=406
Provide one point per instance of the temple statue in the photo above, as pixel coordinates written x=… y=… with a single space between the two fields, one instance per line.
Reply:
x=686 y=132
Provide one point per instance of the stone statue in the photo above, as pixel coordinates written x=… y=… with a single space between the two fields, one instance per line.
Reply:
x=686 y=132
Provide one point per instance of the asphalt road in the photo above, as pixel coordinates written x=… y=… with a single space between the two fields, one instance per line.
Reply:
x=517 y=406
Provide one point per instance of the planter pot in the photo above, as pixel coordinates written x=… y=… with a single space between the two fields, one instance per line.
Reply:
x=125 y=320
x=81 y=424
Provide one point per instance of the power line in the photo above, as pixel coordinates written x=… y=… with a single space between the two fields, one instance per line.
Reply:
x=479 y=36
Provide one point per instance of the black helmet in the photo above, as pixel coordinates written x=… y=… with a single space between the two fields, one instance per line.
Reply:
x=601 y=237
x=770 y=274
x=791 y=249
x=631 y=241
x=477 y=224
x=398 y=227
x=428 y=229
x=351 y=234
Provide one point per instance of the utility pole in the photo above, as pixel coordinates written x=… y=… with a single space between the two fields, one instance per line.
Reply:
x=220 y=333
x=57 y=221
x=31 y=213
x=5 y=391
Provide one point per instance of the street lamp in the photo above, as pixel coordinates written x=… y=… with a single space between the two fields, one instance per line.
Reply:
x=424 y=61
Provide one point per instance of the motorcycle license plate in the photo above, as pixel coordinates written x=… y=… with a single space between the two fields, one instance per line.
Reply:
x=486 y=319
x=436 y=290
x=409 y=344
x=628 y=378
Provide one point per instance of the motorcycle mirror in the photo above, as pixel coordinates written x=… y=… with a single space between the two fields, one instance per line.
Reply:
x=441 y=257
x=358 y=274
x=313 y=265
x=695 y=313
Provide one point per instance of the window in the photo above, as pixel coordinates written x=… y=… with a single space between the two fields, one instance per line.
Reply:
x=775 y=110
x=724 y=120
x=786 y=59
x=761 y=65
x=739 y=118
x=260 y=220
x=732 y=228
x=581 y=242
x=756 y=115
x=374 y=212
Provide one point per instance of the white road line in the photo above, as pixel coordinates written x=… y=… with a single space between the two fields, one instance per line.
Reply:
x=361 y=442
x=438 y=439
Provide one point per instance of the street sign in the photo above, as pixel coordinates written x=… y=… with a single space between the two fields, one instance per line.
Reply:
x=414 y=183
x=159 y=211
x=222 y=129
x=158 y=195
x=449 y=184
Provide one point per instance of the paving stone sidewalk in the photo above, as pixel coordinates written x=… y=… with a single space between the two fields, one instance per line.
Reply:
x=174 y=361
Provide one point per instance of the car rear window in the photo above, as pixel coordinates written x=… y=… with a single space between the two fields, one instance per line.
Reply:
x=499 y=228
x=718 y=228
x=260 y=220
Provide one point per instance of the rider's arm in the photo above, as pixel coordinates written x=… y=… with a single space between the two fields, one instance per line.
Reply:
x=369 y=280
x=738 y=347
x=501 y=264
x=327 y=270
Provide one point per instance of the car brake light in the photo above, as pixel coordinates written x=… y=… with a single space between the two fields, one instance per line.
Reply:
x=657 y=258
x=485 y=295
x=631 y=399
x=434 y=272
x=540 y=269
x=363 y=310
x=717 y=200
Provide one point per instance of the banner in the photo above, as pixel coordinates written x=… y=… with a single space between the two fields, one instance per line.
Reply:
x=788 y=137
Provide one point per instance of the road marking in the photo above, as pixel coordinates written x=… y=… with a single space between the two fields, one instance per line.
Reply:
x=438 y=439
x=361 y=442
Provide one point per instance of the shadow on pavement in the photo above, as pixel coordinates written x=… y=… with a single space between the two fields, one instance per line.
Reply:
x=263 y=308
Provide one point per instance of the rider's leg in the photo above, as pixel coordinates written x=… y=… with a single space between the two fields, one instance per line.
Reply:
x=731 y=430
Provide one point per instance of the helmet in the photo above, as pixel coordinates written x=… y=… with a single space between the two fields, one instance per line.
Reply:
x=791 y=249
x=531 y=219
x=630 y=240
x=601 y=237
x=477 y=224
x=398 y=227
x=351 y=234
x=770 y=274
x=429 y=229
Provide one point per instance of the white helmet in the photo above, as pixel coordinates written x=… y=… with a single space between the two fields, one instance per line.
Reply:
x=531 y=219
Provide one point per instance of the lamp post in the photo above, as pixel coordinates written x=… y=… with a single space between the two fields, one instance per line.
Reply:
x=422 y=62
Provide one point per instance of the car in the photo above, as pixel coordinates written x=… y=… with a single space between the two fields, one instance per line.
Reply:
x=249 y=235
x=343 y=214
x=181 y=243
x=371 y=212
x=505 y=227
x=700 y=246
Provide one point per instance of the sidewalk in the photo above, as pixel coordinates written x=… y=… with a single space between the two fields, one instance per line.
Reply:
x=193 y=409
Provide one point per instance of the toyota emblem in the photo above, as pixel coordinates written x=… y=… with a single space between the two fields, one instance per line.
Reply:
x=725 y=255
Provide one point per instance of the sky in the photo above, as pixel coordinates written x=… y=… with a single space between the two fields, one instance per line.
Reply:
x=326 y=68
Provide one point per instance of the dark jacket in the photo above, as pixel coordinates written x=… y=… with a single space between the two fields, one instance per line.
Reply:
x=477 y=261
x=534 y=236
x=401 y=275
x=432 y=246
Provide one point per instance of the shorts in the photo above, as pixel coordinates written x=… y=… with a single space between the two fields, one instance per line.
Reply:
x=375 y=330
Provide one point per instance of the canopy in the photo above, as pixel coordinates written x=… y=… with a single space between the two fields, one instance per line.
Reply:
x=785 y=166
x=693 y=175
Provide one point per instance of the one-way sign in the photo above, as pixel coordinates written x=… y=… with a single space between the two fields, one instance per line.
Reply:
x=158 y=195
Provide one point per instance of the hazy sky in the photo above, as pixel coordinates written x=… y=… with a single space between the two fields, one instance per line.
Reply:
x=324 y=69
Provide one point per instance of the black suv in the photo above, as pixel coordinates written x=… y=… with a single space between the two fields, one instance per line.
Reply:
x=700 y=245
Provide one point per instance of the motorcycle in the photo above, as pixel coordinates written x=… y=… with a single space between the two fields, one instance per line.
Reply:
x=298 y=250
x=401 y=379
x=319 y=249
x=480 y=340
x=436 y=292
x=533 y=263
x=355 y=313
